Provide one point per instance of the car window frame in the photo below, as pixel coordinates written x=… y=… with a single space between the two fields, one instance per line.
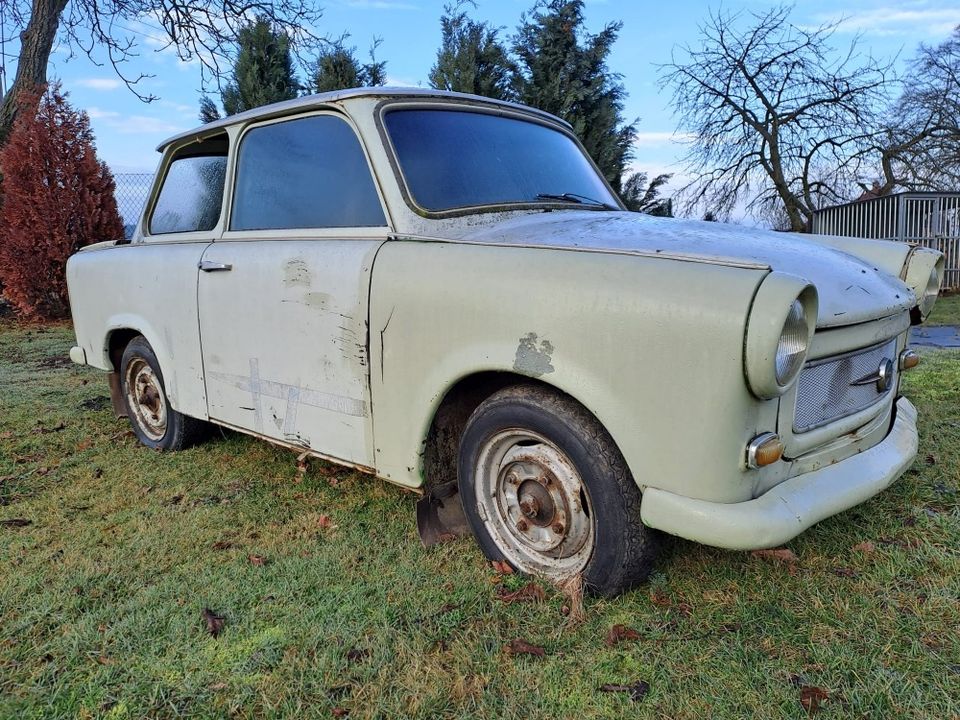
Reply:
x=351 y=232
x=160 y=178
x=456 y=104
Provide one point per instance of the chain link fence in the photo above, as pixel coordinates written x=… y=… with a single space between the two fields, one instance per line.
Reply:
x=131 y=193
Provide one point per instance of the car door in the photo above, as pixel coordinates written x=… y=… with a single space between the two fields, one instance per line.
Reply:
x=283 y=294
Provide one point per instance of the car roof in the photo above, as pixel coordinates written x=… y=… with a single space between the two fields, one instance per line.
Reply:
x=309 y=101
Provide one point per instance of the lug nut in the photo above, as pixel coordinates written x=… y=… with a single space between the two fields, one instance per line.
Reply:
x=558 y=528
x=544 y=480
x=513 y=479
x=522 y=525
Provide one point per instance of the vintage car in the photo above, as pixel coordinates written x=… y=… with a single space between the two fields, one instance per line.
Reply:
x=443 y=291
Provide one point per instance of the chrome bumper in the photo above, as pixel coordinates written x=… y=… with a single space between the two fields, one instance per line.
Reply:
x=788 y=509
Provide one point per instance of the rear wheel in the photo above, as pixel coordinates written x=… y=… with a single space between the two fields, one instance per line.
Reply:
x=155 y=423
x=544 y=488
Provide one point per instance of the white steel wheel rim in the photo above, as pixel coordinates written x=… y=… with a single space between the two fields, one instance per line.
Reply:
x=145 y=399
x=534 y=505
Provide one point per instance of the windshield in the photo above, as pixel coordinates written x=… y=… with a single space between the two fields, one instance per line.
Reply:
x=455 y=158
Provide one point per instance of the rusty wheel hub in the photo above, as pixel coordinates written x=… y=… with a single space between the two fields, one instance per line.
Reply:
x=145 y=399
x=534 y=504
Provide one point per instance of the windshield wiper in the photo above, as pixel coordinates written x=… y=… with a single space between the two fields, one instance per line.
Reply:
x=575 y=198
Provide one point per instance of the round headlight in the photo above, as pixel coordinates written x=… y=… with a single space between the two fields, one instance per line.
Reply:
x=792 y=346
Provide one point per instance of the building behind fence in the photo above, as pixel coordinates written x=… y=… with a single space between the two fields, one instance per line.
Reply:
x=928 y=219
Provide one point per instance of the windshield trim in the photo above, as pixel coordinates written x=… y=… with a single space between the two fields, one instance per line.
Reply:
x=391 y=104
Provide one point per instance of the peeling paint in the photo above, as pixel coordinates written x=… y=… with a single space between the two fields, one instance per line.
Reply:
x=296 y=272
x=533 y=358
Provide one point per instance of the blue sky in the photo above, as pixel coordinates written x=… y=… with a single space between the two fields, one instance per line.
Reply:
x=128 y=130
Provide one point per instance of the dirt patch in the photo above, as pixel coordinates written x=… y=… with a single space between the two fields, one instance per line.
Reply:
x=101 y=402
x=55 y=362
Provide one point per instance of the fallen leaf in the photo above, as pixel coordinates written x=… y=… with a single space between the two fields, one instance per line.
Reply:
x=258 y=560
x=619 y=634
x=213 y=621
x=502 y=567
x=811 y=698
x=660 y=599
x=325 y=522
x=16 y=522
x=637 y=690
x=217 y=686
x=340 y=712
x=175 y=500
x=845 y=572
x=84 y=444
x=446 y=537
x=105 y=660
x=783 y=555
x=6 y=435
x=531 y=592
x=522 y=647
x=222 y=545
x=866 y=547
x=930 y=459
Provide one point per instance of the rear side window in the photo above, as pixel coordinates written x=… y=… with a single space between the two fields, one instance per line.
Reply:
x=304 y=173
x=192 y=191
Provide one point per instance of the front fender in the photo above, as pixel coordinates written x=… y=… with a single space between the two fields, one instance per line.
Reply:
x=653 y=347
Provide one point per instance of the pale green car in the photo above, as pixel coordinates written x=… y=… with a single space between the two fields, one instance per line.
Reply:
x=443 y=291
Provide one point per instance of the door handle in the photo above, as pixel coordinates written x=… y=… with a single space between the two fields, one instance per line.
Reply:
x=211 y=266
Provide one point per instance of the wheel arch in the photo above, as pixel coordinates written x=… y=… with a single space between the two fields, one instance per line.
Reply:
x=441 y=442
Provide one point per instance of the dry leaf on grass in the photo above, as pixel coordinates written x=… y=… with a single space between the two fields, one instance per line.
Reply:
x=865 y=547
x=619 y=634
x=16 y=522
x=213 y=621
x=636 y=691
x=258 y=560
x=531 y=592
x=522 y=647
x=222 y=545
x=502 y=567
x=812 y=697
x=325 y=522
x=783 y=555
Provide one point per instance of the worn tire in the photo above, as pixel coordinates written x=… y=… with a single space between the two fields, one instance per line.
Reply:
x=177 y=431
x=624 y=549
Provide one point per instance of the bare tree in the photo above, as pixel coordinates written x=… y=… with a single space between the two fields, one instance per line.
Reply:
x=921 y=149
x=200 y=30
x=776 y=117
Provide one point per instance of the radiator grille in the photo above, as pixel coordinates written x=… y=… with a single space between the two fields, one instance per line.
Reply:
x=825 y=389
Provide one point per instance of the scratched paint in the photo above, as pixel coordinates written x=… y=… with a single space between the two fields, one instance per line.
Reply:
x=293 y=394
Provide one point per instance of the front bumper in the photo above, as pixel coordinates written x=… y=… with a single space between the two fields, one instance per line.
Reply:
x=788 y=509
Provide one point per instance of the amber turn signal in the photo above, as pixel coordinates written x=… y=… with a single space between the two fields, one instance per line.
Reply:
x=909 y=359
x=764 y=449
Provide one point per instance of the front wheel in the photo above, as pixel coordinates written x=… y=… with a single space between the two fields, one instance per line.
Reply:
x=545 y=488
x=155 y=423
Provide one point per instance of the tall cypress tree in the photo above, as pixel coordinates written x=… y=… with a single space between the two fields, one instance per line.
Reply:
x=262 y=74
x=563 y=70
x=471 y=58
x=338 y=68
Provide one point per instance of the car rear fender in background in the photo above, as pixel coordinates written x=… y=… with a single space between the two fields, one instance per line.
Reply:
x=653 y=347
x=150 y=289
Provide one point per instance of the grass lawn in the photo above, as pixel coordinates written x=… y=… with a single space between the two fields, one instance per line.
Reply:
x=331 y=607
x=946 y=311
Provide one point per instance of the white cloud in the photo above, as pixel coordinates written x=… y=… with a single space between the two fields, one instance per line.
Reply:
x=99 y=83
x=96 y=113
x=655 y=138
x=899 y=19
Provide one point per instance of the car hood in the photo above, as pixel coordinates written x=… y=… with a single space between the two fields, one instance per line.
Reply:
x=850 y=290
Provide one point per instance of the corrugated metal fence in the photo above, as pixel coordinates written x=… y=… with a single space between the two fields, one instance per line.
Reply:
x=928 y=219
